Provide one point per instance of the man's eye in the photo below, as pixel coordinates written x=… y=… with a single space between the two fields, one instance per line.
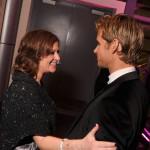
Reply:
x=98 y=44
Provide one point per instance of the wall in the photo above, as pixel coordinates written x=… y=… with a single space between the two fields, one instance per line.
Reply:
x=118 y=5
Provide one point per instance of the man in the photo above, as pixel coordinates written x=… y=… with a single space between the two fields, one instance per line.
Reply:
x=121 y=106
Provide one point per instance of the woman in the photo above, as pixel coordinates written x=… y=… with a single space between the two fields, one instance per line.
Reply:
x=27 y=112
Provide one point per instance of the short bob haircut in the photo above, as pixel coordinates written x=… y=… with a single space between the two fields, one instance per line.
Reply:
x=128 y=32
x=33 y=46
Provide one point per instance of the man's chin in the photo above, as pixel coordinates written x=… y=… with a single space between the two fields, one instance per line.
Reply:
x=101 y=66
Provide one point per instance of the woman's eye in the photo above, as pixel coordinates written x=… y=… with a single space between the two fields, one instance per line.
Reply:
x=51 y=53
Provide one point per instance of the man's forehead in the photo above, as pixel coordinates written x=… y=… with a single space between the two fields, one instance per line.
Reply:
x=99 y=34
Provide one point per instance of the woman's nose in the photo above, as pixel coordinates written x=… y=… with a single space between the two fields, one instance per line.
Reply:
x=57 y=56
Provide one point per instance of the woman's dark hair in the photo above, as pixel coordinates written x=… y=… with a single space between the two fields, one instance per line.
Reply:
x=33 y=46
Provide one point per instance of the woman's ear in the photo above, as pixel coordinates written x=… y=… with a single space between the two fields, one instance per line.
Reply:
x=41 y=57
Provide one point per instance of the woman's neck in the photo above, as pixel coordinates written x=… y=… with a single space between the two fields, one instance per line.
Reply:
x=38 y=78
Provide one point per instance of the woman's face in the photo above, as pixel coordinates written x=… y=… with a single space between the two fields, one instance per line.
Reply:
x=49 y=63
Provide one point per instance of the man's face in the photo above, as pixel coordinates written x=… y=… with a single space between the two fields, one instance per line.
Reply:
x=102 y=51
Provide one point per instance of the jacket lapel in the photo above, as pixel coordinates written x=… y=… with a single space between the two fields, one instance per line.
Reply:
x=105 y=91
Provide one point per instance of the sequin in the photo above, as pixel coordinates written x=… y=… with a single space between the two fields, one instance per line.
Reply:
x=27 y=110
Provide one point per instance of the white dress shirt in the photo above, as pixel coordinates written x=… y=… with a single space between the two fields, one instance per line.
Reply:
x=112 y=77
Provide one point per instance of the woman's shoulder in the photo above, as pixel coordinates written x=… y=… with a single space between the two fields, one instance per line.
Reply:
x=23 y=83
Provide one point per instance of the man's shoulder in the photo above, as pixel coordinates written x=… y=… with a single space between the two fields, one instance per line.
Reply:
x=124 y=91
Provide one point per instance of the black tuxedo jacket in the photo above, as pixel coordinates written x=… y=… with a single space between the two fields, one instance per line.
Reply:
x=119 y=109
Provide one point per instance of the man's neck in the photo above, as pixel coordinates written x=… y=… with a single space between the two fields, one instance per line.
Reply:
x=118 y=73
x=114 y=68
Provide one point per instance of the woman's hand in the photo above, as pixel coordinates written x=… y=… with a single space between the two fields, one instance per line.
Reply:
x=87 y=143
x=90 y=142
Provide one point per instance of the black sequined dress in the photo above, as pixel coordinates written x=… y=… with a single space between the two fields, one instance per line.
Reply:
x=25 y=110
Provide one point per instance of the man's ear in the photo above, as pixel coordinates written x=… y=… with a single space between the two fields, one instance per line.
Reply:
x=116 y=46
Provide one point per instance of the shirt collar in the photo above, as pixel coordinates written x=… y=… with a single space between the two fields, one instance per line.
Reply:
x=112 y=77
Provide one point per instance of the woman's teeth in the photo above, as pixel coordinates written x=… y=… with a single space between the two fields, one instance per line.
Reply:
x=54 y=62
